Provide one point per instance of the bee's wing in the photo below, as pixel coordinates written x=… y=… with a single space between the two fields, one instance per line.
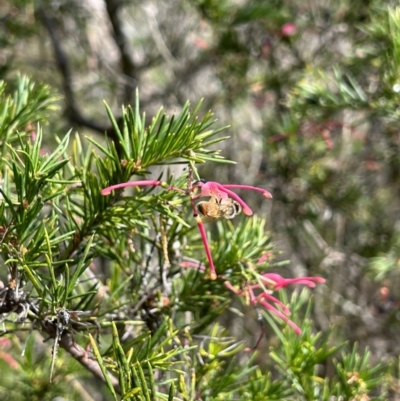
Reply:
x=230 y=208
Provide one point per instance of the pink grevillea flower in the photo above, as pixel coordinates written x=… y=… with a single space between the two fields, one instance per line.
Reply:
x=211 y=189
x=274 y=281
x=222 y=191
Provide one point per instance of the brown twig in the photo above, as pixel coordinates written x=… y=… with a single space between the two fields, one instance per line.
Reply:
x=82 y=356
x=67 y=342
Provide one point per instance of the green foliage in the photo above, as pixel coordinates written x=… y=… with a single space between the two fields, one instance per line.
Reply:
x=311 y=91
x=165 y=141
x=356 y=377
x=300 y=358
x=29 y=367
x=313 y=121
x=55 y=222
x=386 y=264
x=28 y=105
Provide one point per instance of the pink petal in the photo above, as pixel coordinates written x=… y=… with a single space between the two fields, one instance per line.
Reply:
x=246 y=209
x=271 y=308
x=279 y=314
x=265 y=193
x=211 y=188
x=276 y=282
x=271 y=298
x=254 y=300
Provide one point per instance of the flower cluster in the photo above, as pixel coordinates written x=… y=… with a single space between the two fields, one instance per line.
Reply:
x=221 y=193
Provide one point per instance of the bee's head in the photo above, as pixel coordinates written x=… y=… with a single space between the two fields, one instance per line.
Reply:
x=201 y=181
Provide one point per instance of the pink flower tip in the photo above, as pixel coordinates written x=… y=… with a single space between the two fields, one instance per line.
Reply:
x=105 y=191
x=247 y=211
x=267 y=194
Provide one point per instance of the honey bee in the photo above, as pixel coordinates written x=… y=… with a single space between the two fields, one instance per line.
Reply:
x=217 y=209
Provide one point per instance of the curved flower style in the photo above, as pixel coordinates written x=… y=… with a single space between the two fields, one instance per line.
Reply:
x=274 y=281
x=268 y=281
x=203 y=234
x=144 y=183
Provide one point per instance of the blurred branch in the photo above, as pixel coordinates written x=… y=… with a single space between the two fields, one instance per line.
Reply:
x=151 y=12
x=129 y=68
x=82 y=356
x=74 y=114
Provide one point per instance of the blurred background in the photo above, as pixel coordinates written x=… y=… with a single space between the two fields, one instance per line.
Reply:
x=311 y=92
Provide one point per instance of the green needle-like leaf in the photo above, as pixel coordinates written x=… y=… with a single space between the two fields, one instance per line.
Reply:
x=99 y=359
